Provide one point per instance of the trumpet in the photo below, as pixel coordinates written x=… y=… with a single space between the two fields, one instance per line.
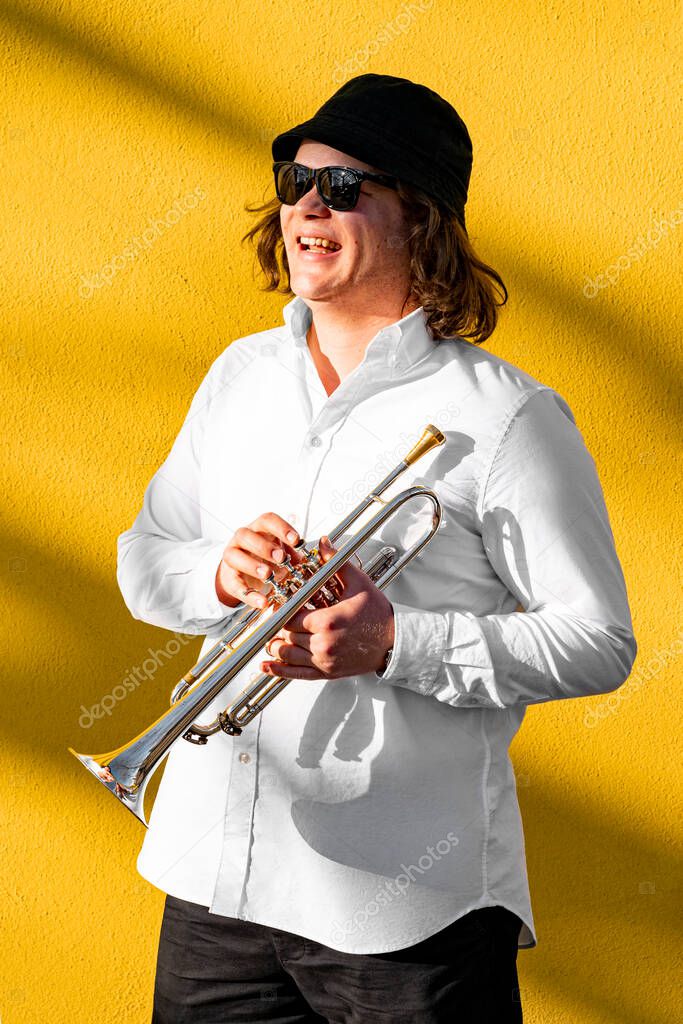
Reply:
x=126 y=771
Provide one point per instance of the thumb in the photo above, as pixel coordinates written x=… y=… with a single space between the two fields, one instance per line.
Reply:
x=326 y=548
x=350 y=575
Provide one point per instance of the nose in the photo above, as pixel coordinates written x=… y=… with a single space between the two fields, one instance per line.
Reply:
x=311 y=203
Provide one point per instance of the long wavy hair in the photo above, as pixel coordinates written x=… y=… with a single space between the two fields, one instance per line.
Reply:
x=459 y=292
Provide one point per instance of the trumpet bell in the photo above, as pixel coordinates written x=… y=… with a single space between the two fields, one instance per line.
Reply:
x=133 y=798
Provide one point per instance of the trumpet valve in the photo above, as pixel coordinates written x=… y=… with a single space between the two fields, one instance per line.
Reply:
x=297 y=573
x=279 y=592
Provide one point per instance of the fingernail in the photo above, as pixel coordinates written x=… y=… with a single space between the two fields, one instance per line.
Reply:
x=278 y=554
x=262 y=571
x=291 y=536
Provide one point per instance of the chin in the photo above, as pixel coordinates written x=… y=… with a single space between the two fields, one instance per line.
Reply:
x=302 y=286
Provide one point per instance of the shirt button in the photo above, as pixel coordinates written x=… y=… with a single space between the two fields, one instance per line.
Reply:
x=245 y=758
x=315 y=441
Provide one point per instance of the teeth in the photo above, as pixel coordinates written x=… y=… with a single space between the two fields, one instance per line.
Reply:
x=319 y=243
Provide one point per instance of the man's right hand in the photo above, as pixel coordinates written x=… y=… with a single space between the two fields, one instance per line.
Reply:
x=252 y=553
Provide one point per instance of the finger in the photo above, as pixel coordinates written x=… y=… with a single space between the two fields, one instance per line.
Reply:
x=253 y=593
x=276 y=668
x=248 y=592
x=306 y=621
x=283 y=653
x=279 y=527
x=268 y=549
x=241 y=586
x=247 y=565
x=302 y=640
x=326 y=548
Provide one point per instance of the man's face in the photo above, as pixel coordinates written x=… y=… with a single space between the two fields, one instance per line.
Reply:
x=372 y=266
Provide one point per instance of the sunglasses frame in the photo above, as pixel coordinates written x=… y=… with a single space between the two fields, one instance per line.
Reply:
x=312 y=177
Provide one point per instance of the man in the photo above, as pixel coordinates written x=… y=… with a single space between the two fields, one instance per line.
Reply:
x=357 y=853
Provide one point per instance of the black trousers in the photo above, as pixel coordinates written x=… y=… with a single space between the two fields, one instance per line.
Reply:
x=213 y=969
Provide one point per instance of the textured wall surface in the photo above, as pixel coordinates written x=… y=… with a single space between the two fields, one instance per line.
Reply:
x=131 y=137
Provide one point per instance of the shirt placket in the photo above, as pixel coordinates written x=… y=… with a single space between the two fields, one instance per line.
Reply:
x=229 y=892
x=327 y=416
x=328 y=413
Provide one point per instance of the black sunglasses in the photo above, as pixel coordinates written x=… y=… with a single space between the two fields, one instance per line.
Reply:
x=338 y=187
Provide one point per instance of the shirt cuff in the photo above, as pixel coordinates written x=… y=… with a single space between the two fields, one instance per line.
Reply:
x=200 y=601
x=419 y=644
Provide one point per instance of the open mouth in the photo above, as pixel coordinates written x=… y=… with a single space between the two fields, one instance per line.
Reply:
x=318 y=245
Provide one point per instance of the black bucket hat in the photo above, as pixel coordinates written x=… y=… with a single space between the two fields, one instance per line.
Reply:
x=397 y=126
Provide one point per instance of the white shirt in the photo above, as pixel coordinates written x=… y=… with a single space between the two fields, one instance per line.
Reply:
x=368 y=813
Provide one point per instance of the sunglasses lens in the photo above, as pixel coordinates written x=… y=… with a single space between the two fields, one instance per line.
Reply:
x=339 y=188
x=290 y=183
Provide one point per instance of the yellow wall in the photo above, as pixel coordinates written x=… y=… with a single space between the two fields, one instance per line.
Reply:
x=112 y=114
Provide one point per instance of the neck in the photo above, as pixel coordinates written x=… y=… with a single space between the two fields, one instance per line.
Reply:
x=338 y=338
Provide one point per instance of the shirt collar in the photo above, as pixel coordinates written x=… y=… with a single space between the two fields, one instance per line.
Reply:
x=398 y=345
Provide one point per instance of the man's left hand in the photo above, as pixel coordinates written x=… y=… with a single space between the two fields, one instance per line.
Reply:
x=349 y=638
